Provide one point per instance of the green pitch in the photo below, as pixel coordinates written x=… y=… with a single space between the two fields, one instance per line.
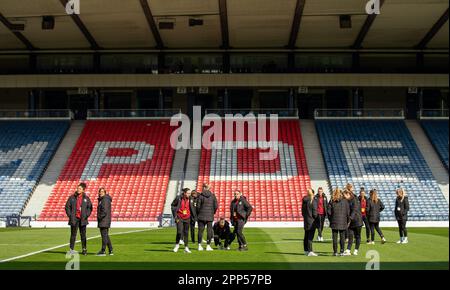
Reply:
x=269 y=249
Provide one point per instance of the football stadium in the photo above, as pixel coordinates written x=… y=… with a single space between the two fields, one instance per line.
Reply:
x=224 y=135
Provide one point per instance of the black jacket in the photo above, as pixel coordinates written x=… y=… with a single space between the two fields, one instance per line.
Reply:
x=207 y=206
x=222 y=232
x=355 y=213
x=339 y=214
x=176 y=204
x=316 y=203
x=104 y=211
x=71 y=210
x=309 y=213
x=401 y=209
x=373 y=210
x=243 y=208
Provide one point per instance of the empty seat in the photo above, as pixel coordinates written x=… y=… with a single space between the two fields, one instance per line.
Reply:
x=437 y=132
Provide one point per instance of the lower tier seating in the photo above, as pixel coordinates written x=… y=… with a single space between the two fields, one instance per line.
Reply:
x=437 y=132
x=381 y=155
x=131 y=159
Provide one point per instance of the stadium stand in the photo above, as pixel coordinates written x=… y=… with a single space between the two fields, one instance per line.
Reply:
x=381 y=155
x=437 y=132
x=274 y=187
x=26 y=148
x=131 y=159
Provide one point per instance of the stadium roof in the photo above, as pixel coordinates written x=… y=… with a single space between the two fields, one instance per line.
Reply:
x=237 y=24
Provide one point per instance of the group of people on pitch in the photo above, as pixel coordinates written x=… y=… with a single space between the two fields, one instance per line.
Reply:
x=347 y=213
x=193 y=207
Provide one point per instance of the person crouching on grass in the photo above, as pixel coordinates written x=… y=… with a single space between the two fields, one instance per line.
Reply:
x=309 y=213
x=240 y=210
x=222 y=232
x=78 y=209
x=104 y=220
x=182 y=210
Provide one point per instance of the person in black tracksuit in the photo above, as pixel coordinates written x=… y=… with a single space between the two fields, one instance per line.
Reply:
x=401 y=214
x=222 y=232
x=206 y=208
x=104 y=220
x=309 y=214
x=240 y=211
x=320 y=205
x=194 y=198
x=339 y=216
x=183 y=211
x=363 y=203
x=78 y=210
x=355 y=225
x=374 y=207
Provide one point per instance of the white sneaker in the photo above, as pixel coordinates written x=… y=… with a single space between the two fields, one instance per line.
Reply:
x=400 y=241
x=355 y=253
x=312 y=254
x=306 y=253
x=181 y=242
x=186 y=250
x=176 y=248
x=200 y=248
x=347 y=253
x=228 y=248
x=208 y=248
x=405 y=240
x=383 y=240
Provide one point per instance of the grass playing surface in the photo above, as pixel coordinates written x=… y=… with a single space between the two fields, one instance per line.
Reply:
x=277 y=248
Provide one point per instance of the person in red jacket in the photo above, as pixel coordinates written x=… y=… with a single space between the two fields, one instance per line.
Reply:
x=182 y=210
x=320 y=204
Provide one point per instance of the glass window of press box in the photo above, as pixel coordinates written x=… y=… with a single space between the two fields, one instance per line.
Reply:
x=198 y=63
x=388 y=63
x=258 y=63
x=64 y=63
x=129 y=63
x=322 y=63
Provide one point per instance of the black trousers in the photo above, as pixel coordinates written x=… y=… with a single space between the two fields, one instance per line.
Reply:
x=239 y=232
x=320 y=223
x=373 y=227
x=354 y=233
x=308 y=239
x=224 y=237
x=341 y=234
x=367 y=226
x=402 y=228
x=209 y=231
x=73 y=235
x=106 y=241
x=193 y=232
x=183 y=231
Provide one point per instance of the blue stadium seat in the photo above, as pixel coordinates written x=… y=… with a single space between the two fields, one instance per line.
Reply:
x=26 y=148
x=381 y=155
x=437 y=132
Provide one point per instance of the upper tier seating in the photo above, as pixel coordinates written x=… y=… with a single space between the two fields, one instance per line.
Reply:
x=381 y=155
x=26 y=148
x=437 y=132
x=131 y=159
x=274 y=187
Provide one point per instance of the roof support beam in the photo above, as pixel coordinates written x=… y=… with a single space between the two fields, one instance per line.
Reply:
x=224 y=24
x=300 y=6
x=93 y=43
x=152 y=24
x=14 y=29
x=365 y=29
x=433 y=31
